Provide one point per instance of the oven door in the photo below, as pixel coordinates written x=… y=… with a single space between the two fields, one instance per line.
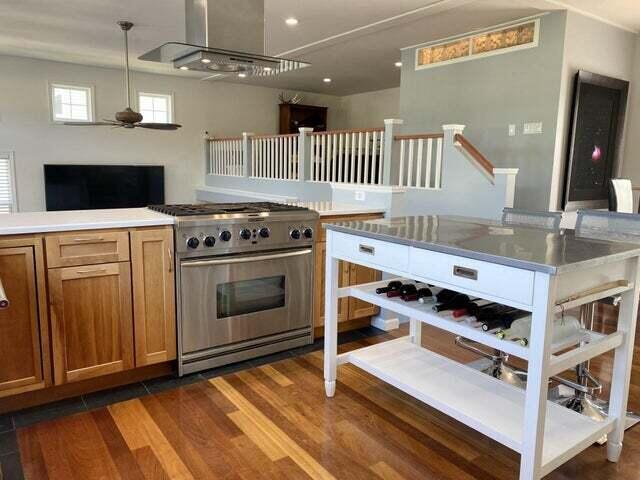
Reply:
x=243 y=297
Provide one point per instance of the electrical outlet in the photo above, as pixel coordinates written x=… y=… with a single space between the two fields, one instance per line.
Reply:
x=359 y=195
x=532 y=128
x=512 y=130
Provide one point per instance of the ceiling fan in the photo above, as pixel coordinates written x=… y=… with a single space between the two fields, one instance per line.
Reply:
x=128 y=118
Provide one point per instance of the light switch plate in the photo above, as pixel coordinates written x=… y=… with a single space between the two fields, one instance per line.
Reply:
x=532 y=128
x=512 y=130
x=359 y=195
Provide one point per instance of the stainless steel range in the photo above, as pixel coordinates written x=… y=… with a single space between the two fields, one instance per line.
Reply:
x=244 y=276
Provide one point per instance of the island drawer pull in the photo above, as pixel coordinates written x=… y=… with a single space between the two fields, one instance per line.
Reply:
x=88 y=239
x=4 y=301
x=367 y=249
x=464 y=272
x=93 y=270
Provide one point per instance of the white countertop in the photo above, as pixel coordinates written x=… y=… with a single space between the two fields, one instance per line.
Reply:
x=329 y=208
x=39 y=222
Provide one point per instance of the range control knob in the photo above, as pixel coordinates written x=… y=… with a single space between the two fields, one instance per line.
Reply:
x=295 y=234
x=245 y=234
x=307 y=232
x=209 y=241
x=264 y=232
x=225 y=235
x=193 y=242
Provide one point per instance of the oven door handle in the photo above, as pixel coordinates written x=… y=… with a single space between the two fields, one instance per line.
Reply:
x=224 y=261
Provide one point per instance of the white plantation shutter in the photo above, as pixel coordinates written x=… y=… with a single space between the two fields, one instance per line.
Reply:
x=7 y=184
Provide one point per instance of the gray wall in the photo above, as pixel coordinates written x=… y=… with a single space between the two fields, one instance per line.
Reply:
x=631 y=164
x=221 y=108
x=487 y=95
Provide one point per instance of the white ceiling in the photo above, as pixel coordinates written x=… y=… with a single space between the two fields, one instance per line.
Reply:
x=355 y=42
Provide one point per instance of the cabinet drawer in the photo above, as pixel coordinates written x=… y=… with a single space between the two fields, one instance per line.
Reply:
x=87 y=248
x=370 y=251
x=496 y=280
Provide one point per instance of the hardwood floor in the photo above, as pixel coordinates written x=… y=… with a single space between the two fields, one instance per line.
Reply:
x=274 y=421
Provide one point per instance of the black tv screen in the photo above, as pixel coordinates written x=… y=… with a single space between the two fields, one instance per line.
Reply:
x=87 y=187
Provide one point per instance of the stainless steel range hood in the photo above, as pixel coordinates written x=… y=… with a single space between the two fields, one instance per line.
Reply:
x=225 y=37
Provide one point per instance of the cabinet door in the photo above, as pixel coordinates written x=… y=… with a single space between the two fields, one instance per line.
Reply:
x=154 y=310
x=21 y=364
x=318 y=303
x=359 y=274
x=91 y=321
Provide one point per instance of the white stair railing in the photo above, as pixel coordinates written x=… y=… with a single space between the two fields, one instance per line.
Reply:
x=226 y=156
x=275 y=157
x=347 y=156
x=420 y=160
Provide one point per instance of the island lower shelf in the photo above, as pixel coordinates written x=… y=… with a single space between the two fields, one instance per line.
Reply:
x=480 y=401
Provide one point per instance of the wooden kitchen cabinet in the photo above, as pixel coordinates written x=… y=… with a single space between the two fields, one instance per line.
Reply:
x=153 y=295
x=91 y=320
x=352 y=312
x=87 y=248
x=23 y=323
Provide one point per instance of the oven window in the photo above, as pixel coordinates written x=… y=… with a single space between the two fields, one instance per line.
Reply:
x=248 y=296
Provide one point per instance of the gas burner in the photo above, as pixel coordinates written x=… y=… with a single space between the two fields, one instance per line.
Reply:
x=184 y=210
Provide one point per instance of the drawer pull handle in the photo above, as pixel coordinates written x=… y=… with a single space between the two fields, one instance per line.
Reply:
x=4 y=301
x=367 y=249
x=94 y=270
x=464 y=272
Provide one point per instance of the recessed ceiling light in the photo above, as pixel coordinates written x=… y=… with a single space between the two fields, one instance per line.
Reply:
x=205 y=60
x=398 y=64
x=242 y=75
x=292 y=22
x=184 y=67
x=326 y=80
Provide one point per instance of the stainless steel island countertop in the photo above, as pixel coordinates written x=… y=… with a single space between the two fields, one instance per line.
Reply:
x=522 y=247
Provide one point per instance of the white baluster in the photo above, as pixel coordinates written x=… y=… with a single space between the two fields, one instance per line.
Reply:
x=401 y=170
x=359 y=172
x=334 y=162
x=429 y=161
x=340 y=162
x=438 y=180
x=352 y=168
x=323 y=167
x=419 y=159
x=347 y=161
x=312 y=147
x=374 y=160
x=367 y=159
x=410 y=160
x=381 y=154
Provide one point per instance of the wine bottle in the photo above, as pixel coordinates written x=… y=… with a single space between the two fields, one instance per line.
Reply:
x=408 y=289
x=564 y=328
x=398 y=292
x=418 y=295
x=392 y=285
x=503 y=320
x=457 y=301
x=472 y=308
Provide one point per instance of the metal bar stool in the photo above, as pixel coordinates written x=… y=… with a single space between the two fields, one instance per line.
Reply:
x=495 y=363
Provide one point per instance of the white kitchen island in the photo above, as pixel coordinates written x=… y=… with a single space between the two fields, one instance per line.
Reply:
x=539 y=271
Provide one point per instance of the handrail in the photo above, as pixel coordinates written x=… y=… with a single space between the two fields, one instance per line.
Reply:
x=274 y=135
x=353 y=130
x=475 y=154
x=418 y=136
x=224 y=139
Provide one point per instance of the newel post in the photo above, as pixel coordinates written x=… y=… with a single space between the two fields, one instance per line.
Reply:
x=304 y=154
x=246 y=153
x=206 y=145
x=391 y=127
x=450 y=131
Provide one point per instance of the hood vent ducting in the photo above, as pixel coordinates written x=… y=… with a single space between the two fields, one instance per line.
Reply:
x=223 y=37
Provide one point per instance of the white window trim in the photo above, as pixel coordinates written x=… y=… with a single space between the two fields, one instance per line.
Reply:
x=90 y=105
x=172 y=114
x=12 y=175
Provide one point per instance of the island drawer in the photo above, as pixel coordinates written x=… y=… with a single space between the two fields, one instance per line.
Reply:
x=371 y=252
x=87 y=248
x=499 y=281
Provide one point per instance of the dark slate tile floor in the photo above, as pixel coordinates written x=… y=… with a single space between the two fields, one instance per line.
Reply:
x=10 y=466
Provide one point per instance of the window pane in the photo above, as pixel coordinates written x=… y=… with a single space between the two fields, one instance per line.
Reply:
x=146 y=103
x=62 y=94
x=160 y=103
x=78 y=97
x=147 y=115
x=65 y=111
x=79 y=112
x=160 y=117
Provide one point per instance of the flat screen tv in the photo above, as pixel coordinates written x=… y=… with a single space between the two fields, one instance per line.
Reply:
x=87 y=187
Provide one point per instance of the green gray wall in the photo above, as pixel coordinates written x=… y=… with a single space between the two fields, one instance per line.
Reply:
x=487 y=95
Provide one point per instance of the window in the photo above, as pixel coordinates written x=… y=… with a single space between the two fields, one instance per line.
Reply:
x=156 y=107
x=8 y=202
x=71 y=103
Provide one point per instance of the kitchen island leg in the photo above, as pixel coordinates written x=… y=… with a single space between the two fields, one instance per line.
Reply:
x=621 y=374
x=330 y=320
x=535 y=407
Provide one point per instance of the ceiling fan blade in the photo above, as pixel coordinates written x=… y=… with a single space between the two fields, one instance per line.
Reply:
x=158 y=126
x=90 y=124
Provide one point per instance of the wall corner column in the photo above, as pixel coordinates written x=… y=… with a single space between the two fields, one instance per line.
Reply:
x=304 y=154
x=391 y=128
x=206 y=145
x=247 y=154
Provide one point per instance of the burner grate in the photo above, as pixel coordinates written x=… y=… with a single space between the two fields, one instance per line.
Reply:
x=181 y=210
